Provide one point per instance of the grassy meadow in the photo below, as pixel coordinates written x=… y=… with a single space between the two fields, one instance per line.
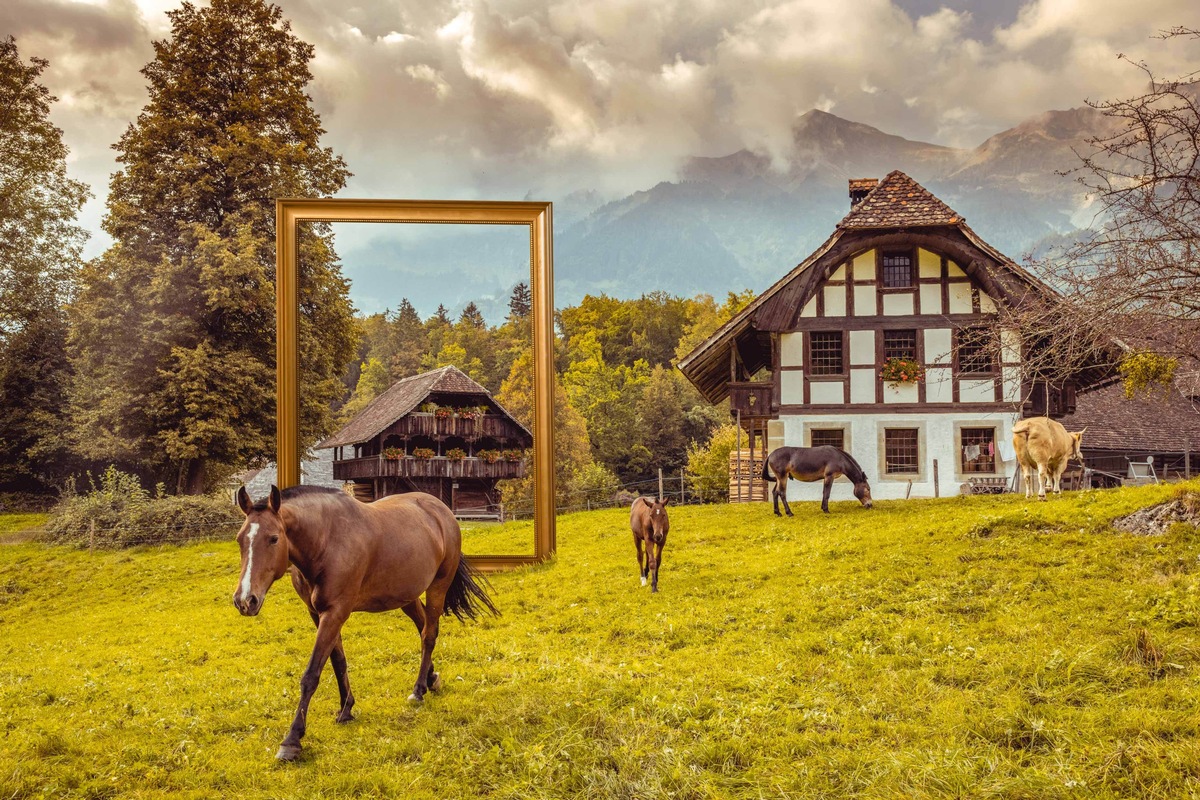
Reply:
x=963 y=647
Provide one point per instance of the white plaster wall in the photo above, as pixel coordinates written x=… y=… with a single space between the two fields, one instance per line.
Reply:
x=864 y=432
x=864 y=300
x=1010 y=345
x=939 y=385
x=791 y=387
x=938 y=346
x=986 y=304
x=900 y=393
x=839 y=274
x=1012 y=384
x=976 y=391
x=895 y=305
x=954 y=270
x=810 y=308
x=862 y=347
x=931 y=298
x=835 y=301
x=791 y=350
x=864 y=266
x=960 y=298
x=862 y=385
x=930 y=264
x=820 y=392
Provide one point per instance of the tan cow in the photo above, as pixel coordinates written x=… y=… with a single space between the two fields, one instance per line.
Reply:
x=1044 y=445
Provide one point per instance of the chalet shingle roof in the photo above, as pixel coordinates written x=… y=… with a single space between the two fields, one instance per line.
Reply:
x=1146 y=424
x=899 y=202
x=401 y=398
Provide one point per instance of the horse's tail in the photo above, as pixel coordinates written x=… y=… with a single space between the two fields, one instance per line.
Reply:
x=465 y=597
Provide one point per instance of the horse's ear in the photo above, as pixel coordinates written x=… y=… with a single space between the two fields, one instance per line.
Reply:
x=242 y=499
x=666 y=500
x=647 y=500
x=275 y=500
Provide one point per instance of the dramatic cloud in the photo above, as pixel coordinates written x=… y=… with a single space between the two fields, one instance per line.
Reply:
x=508 y=98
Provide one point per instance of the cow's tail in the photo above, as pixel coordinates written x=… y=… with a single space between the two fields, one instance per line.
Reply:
x=1021 y=428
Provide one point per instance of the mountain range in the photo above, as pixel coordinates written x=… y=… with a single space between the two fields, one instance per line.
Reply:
x=739 y=221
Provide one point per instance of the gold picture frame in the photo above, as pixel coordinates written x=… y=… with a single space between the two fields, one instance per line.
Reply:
x=289 y=212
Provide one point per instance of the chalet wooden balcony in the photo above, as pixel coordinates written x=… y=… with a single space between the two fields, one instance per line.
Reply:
x=752 y=398
x=438 y=467
x=492 y=426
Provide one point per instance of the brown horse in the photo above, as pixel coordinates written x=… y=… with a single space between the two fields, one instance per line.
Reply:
x=349 y=556
x=814 y=464
x=648 y=520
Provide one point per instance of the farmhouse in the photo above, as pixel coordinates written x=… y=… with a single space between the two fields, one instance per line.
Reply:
x=438 y=432
x=902 y=286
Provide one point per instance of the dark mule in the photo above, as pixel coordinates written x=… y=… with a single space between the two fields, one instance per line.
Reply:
x=648 y=520
x=349 y=556
x=814 y=464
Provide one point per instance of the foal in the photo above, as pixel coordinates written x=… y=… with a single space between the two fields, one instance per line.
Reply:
x=648 y=519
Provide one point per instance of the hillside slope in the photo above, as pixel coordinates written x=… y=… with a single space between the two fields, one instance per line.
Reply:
x=983 y=647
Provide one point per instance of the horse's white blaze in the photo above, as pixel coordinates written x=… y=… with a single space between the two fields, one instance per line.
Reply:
x=250 y=534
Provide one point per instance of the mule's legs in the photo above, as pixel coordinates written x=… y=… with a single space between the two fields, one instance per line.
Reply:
x=416 y=612
x=775 y=498
x=637 y=542
x=338 y=659
x=781 y=493
x=825 y=493
x=329 y=630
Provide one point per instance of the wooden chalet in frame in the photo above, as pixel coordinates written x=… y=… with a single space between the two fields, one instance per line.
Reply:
x=375 y=450
x=902 y=276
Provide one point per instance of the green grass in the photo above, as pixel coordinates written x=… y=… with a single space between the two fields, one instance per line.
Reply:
x=964 y=647
x=20 y=527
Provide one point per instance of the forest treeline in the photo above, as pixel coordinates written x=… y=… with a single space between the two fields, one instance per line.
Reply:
x=622 y=410
x=157 y=357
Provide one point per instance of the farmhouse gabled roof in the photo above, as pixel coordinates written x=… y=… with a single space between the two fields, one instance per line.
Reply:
x=898 y=201
x=401 y=398
x=895 y=204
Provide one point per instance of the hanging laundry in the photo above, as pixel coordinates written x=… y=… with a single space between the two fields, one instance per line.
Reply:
x=971 y=452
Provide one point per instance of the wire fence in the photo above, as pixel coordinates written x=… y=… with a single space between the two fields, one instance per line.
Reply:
x=680 y=488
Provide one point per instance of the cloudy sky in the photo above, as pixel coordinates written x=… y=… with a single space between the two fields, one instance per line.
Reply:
x=506 y=99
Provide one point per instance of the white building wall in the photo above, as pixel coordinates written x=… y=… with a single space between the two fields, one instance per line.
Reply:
x=939 y=439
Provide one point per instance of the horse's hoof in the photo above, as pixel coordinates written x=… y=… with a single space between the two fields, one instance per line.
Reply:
x=344 y=717
x=437 y=683
x=653 y=590
x=643 y=581
x=412 y=698
x=288 y=752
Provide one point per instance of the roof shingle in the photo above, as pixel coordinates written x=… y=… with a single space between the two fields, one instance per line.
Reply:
x=899 y=202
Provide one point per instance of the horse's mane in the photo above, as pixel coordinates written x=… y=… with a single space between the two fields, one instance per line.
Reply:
x=853 y=471
x=298 y=491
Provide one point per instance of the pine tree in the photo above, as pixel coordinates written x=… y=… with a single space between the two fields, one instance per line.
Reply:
x=40 y=247
x=174 y=337
x=520 y=304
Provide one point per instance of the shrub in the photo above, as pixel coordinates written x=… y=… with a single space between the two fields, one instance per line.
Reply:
x=118 y=512
x=708 y=466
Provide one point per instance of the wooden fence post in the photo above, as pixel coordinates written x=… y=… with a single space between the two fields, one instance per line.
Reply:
x=682 y=489
x=935 y=479
x=660 y=485
x=91 y=535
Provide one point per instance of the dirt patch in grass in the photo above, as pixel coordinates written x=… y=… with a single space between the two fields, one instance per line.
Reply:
x=1155 y=520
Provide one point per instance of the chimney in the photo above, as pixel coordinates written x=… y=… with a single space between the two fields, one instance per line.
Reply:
x=859 y=188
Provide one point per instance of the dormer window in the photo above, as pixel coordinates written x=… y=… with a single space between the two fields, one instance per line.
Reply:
x=896 y=268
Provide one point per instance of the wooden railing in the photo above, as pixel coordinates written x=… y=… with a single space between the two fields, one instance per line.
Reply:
x=493 y=426
x=376 y=467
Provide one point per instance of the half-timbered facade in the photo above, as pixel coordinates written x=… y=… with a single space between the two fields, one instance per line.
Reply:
x=902 y=277
x=457 y=454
